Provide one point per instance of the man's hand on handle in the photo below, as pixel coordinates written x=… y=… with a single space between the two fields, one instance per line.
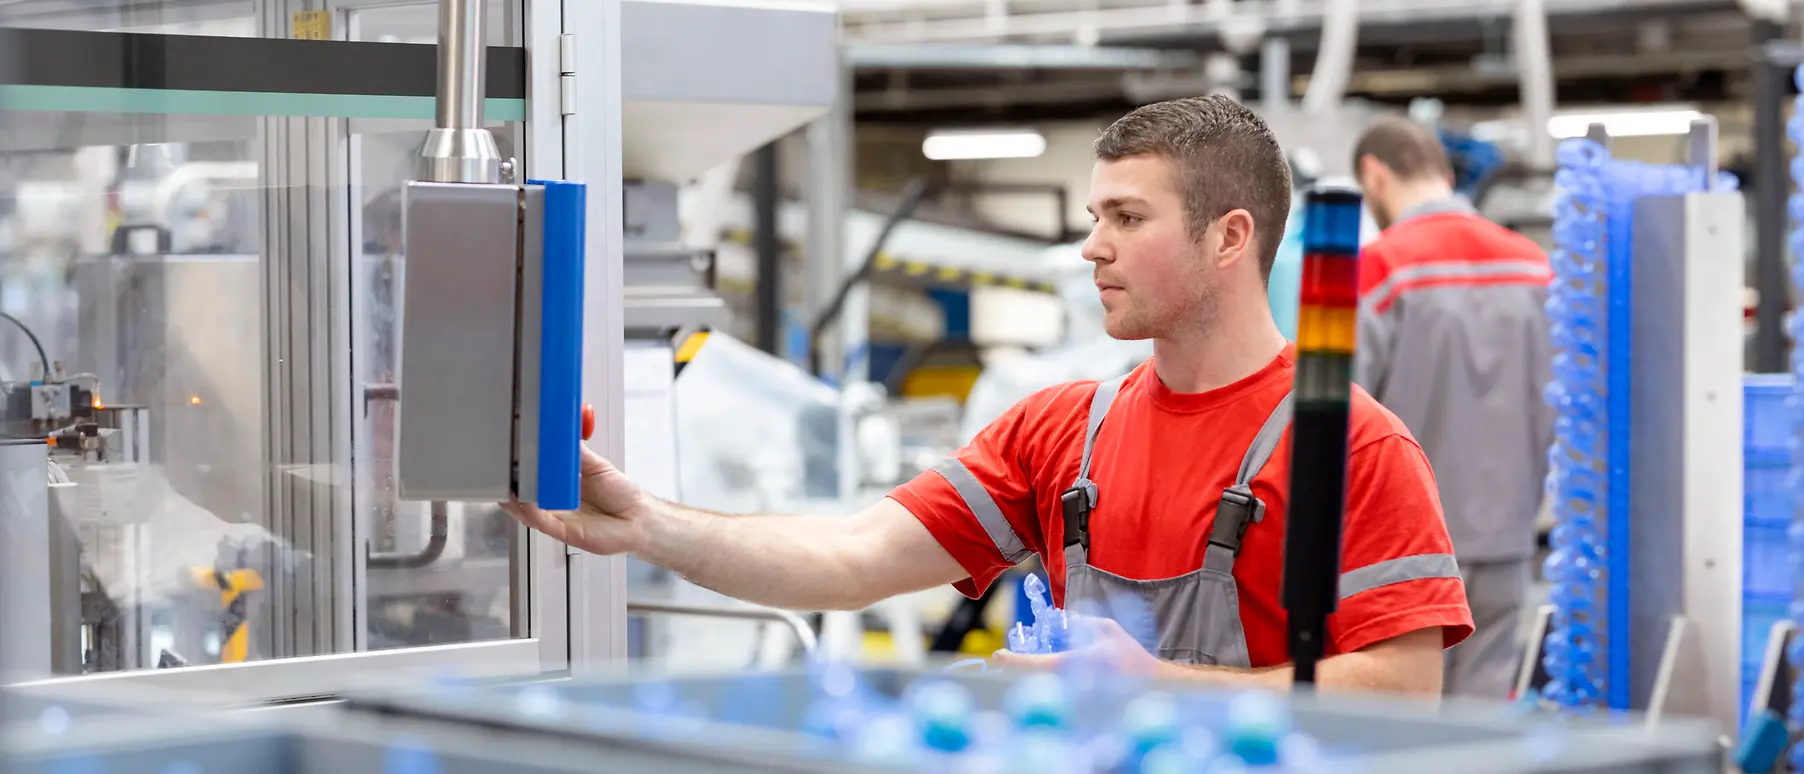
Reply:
x=613 y=518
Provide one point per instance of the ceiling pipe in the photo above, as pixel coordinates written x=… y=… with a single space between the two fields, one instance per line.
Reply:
x=1334 y=57
x=1534 y=65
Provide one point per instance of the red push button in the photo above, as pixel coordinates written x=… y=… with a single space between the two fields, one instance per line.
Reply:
x=588 y=421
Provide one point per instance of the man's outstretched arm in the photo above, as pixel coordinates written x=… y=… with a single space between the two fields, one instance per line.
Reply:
x=794 y=562
x=801 y=562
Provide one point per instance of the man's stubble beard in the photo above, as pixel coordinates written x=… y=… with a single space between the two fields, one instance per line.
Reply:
x=1200 y=315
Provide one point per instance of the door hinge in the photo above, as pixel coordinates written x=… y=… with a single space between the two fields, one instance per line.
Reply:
x=566 y=67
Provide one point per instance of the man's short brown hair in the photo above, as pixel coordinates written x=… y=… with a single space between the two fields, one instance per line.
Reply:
x=1409 y=149
x=1225 y=157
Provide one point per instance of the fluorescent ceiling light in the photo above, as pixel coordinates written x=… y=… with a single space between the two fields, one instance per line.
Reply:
x=983 y=144
x=1627 y=123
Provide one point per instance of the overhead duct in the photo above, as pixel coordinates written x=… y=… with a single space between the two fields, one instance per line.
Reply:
x=1334 y=57
x=1534 y=65
x=707 y=81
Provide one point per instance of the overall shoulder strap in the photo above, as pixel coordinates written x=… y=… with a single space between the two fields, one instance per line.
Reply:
x=1266 y=442
x=1077 y=502
x=1238 y=507
x=1099 y=409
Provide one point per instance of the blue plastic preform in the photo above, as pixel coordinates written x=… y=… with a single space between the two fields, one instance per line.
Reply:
x=561 y=348
x=1576 y=468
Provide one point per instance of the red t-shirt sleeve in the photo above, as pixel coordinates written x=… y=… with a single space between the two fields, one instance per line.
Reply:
x=1397 y=569
x=960 y=500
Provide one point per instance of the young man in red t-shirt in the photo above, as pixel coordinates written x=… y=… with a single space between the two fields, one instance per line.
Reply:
x=1178 y=498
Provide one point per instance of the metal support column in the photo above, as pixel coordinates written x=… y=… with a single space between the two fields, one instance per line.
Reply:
x=1686 y=461
x=1770 y=190
x=307 y=382
x=830 y=189
x=1274 y=74
x=767 y=195
x=593 y=155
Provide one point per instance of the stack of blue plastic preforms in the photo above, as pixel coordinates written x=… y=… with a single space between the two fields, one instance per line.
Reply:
x=1575 y=482
x=1766 y=514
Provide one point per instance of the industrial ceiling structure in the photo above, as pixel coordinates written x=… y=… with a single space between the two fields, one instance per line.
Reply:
x=1095 y=57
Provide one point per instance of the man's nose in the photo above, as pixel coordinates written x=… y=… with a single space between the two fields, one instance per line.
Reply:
x=1097 y=248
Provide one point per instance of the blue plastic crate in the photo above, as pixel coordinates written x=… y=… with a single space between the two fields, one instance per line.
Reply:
x=1764 y=499
x=1765 y=571
x=1757 y=618
x=1765 y=426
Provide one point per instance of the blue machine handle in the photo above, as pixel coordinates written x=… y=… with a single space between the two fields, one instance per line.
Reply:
x=1762 y=741
x=563 y=420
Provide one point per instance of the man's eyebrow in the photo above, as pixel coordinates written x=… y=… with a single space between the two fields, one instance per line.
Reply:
x=1119 y=202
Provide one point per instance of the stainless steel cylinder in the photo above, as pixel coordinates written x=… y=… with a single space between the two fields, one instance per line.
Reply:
x=461 y=54
x=459 y=149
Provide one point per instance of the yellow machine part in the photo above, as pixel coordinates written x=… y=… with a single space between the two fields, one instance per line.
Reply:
x=947 y=381
x=979 y=643
x=231 y=585
x=685 y=352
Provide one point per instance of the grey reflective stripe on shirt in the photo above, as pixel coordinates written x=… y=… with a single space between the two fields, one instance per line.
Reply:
x=1384 y=292
x=984 y=507
x=1399 y=570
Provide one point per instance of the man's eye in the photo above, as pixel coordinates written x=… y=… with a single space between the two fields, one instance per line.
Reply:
x=1129 y=220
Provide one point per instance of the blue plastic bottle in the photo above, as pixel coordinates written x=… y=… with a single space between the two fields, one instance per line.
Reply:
x=1039 y=701
x=944 y=712
x=1257 y=723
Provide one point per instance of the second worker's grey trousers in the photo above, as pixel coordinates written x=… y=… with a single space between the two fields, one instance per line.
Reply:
x=1485 y=664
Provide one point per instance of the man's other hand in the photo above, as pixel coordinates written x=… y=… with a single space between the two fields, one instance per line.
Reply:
x=612 y=517
x=1098 y=640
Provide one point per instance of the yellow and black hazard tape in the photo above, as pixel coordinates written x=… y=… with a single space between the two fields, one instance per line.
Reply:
x=686 y=351
x=953 y=275
x=924 y=271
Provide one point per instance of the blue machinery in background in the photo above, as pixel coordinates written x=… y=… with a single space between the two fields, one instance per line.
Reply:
x=1587 y=653
x=1473 y=161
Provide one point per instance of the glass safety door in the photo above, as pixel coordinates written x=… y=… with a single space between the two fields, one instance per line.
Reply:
x=199 y=261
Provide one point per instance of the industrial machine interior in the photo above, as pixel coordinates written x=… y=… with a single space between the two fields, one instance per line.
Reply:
x=302 y=302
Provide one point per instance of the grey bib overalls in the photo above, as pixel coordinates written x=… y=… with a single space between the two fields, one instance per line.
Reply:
x=1196 y=616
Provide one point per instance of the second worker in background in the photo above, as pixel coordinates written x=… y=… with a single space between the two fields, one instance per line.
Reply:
x=1453 y=338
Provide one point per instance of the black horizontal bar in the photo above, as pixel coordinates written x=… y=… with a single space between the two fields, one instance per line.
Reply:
x=130 y=60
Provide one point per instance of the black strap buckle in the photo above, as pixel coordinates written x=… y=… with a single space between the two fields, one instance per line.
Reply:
x=1237 y=511
x=1075 y=503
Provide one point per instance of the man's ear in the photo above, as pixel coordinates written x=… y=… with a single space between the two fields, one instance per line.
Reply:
x=1238 y=238
x=1370 y=171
